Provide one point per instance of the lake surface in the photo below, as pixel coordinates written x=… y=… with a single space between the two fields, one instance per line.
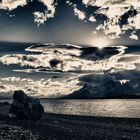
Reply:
x=127 y=108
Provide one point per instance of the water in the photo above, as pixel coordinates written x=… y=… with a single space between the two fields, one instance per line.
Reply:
x=126 y=108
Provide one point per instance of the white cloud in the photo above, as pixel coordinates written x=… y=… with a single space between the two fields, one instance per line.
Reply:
x=25 y=70
x=12 y=79
x=112 y=9
x=88 y=2
x=123 y=81
x=133 y=22
x=69 y=60
x=80 y=14
x=50 y=4
x=92 y=19
x=12 y=4
x=133 y=36
x=41 y=17
x=39 y=88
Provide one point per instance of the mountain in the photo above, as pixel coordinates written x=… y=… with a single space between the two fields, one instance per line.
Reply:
x=107 y=89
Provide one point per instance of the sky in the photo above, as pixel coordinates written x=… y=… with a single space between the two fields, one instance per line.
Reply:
x=85 y=40
x=69 y=21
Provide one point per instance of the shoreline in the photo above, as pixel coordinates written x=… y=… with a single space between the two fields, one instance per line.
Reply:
x=70 y=127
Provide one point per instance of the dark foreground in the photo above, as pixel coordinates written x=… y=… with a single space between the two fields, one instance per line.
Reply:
x=64 y=127
x=68 y=127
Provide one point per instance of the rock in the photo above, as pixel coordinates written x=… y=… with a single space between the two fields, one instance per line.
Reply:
x=37 y=110
x=25 y=107
x=20 y=96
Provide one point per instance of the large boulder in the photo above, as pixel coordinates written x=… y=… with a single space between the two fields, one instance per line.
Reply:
x=25 y=107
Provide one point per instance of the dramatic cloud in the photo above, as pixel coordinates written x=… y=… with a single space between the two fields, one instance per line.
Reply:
x=39 y=88
x=121 y=15
x=74 y=58
x=107 y=86
x=81 y=86
x=97 y=68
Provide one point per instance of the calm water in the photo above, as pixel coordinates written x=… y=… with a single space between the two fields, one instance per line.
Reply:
x=129 y=108
x=126 y=108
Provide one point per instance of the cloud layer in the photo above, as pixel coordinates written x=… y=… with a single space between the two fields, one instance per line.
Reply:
x=72 y=58
x=107 y=86
x=38 y=88
x=121 y=15
x=77 y=65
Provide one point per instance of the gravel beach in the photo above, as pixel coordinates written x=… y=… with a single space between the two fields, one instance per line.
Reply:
x=68 y=127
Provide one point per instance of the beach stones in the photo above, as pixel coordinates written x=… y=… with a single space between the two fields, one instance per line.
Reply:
x=25 y=107
x=11 y=132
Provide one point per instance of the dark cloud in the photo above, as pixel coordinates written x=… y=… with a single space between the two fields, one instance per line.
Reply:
x=107 y=86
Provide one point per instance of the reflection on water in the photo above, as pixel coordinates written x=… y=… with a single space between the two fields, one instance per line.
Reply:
x=129 y=108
